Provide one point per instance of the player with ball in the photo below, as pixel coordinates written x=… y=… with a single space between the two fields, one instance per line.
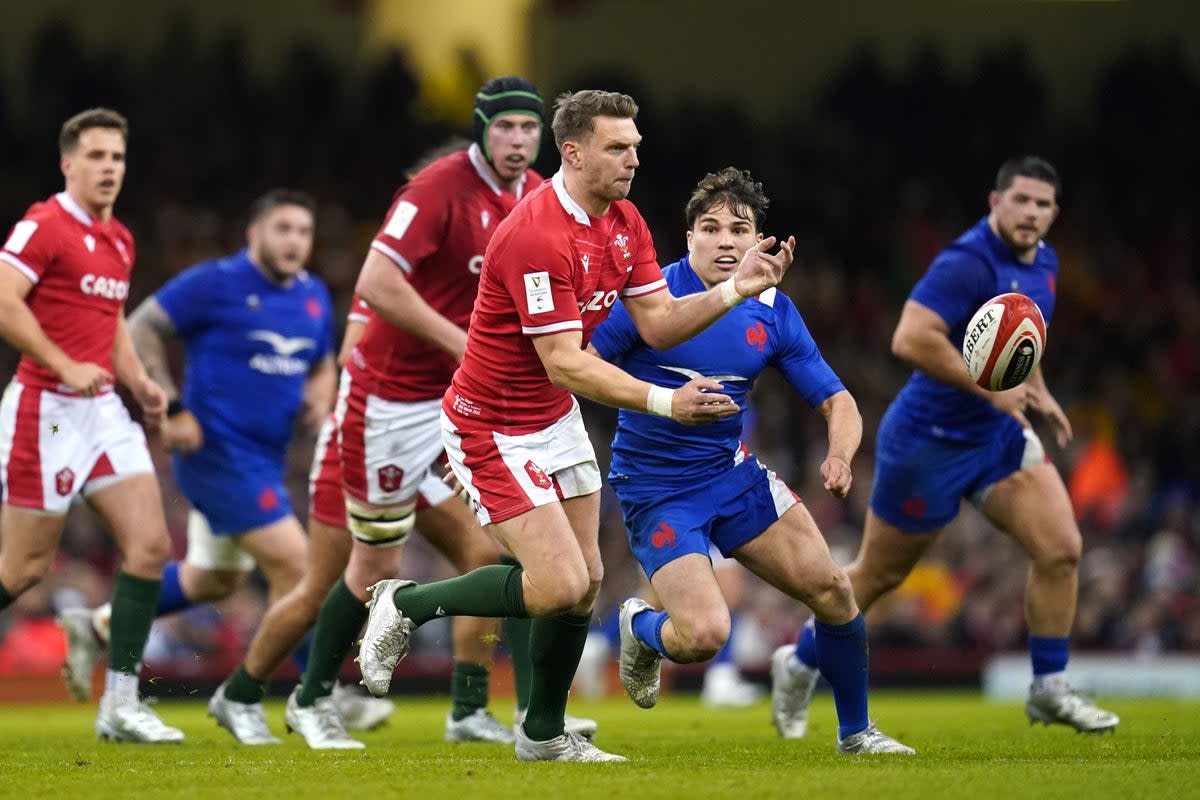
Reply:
x=958 y=431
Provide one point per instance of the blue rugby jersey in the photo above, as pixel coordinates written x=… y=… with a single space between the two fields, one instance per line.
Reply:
x=761 y=332
x=250 y=346
x=975 y=268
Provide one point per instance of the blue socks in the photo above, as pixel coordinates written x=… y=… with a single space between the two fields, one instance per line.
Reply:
x=647 y=626
x=806 y=645
x=842 y=658
x=1049 y=654
x=171 y=598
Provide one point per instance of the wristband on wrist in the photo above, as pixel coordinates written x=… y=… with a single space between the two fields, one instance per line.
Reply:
x=175 y=407
x=659 y=400
x=729 y=293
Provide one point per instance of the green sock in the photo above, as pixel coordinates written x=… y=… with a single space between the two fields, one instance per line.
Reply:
x=493 y=591
x=6 y=599
x=468 y=689
x=243 y=687
x=341 y=618
x=555 y=645
x=516 y=637
x=133 y=603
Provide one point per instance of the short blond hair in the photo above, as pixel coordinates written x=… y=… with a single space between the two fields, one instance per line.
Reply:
x=575 y=112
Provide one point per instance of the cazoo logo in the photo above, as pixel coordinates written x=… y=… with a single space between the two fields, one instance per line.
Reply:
x=600 y=300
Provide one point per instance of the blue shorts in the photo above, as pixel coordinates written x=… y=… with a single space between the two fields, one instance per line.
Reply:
x=920 y=479
x=235 y=494
x=664 y=524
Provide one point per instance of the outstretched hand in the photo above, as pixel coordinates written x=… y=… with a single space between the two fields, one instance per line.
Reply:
x=760 y=269
x=838 y=476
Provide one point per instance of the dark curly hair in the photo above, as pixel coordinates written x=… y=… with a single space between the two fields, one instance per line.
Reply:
x=732 y=188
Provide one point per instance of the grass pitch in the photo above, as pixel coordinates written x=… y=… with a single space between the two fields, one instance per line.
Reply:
x=966 y=748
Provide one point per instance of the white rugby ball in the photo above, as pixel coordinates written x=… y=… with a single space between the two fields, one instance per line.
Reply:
x=1004 y=341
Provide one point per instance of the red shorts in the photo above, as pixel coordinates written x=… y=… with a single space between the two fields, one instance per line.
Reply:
x=509 y=475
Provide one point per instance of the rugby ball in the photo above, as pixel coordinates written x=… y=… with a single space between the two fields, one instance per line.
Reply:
x=1004 y=341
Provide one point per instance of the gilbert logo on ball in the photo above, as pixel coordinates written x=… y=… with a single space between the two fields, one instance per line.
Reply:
x=1004 y=341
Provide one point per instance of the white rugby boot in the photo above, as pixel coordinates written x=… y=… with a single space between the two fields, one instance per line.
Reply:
x=135 y=723
x=246 y=721
x=318 y=724
x=360 y=711
x=478 y=726
x=792 y=686
x=85 y=648
x=567 y=747
x=1055 y=702
x=639 y=665
x=386 y=638
x=872 y=740
x=724 y=687
x=580 y=726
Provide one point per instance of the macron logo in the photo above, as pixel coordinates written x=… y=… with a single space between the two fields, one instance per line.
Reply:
x=282 y=362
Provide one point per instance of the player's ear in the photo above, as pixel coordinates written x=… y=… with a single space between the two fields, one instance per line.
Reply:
x=689 y=241
x=993 y=199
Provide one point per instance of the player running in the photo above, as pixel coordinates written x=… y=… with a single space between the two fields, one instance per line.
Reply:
x=944 y=440
x=512 y=428
x=684 y=489
x=63 y=430
x=257 y=332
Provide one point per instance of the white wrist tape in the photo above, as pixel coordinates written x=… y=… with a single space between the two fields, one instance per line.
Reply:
x=659 y=400
x=729 y=293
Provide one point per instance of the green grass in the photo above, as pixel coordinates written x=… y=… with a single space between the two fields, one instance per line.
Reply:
x=967 y=748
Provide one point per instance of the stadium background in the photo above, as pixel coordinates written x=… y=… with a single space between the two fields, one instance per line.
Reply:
x=876 y=128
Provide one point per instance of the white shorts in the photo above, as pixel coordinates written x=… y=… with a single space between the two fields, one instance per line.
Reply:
x=327 y=503
x=389 y=449
x=54 y=446
x=509 y=475
x=207 y=551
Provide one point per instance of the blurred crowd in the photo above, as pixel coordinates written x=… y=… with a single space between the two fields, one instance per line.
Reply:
x=873 y=179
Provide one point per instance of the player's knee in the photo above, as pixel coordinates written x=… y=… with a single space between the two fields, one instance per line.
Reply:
x=26 y=575
x=703 y=641
x=149 y=555
x=564 y=594
x=380 y=526
x=831 y=594
x=1060 y=556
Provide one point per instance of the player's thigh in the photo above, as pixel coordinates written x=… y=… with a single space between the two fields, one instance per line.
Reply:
x=885 y=557
x=453 y=531
x=280 y=549
x=133 y=512
x=28 y=544
x=792 y=555
x=688 y=591
x=1032 y=506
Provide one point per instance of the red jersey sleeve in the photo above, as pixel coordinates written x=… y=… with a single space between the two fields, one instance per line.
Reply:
x=359 y=310
x=646 y=276
x=415 y=226
x=537 y=274
x=31 y=246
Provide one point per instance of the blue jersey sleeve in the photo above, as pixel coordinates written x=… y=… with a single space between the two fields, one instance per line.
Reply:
x=955 y=286
x=616 y=336
x=801 y=361
x=188 y=299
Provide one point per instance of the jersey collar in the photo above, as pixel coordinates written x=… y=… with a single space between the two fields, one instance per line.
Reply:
x=475 y=154
x=568 y=204
x=74 y=209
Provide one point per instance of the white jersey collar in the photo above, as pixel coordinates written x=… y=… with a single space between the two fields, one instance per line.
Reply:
x=571 y=207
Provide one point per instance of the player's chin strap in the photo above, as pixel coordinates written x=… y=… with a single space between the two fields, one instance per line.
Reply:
x=380 y=527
